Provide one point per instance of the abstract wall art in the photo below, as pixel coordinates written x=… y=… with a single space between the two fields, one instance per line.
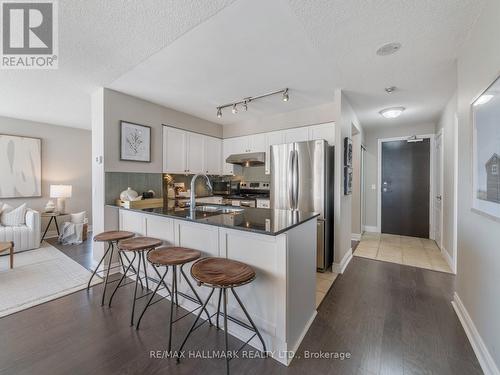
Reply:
x=20 y=166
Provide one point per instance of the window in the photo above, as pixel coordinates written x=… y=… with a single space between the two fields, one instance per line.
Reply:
x=494 y=169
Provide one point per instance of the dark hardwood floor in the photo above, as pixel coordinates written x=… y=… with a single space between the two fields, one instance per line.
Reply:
x=392 y=319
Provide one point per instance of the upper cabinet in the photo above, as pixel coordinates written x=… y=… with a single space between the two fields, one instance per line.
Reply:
x=174 y=150
x=297 y=134
x=188 y=152
x=213 y=155
x=323 y=131
x=262 y=142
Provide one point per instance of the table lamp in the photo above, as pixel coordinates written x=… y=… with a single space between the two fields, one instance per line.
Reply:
x=61 y=192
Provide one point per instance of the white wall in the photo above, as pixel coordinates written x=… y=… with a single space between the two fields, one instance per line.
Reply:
x=372 y=135
x=356 y=222
x=308 y=116
x=447 y=125
x=478 y=274
x=343 y=203
x=66 y=159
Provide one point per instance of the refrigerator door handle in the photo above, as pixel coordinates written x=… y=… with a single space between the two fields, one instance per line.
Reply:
x=290 y=179
x=296 y=178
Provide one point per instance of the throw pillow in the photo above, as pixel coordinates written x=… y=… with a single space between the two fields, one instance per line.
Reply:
x=13 y=216
x=78 y=218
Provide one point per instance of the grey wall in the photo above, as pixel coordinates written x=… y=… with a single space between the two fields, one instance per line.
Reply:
x=286 y=120
x=66 y=159
x=119 y=106
x=447 y=126
x=356 y=222
x=372 y=135
x=478 y=275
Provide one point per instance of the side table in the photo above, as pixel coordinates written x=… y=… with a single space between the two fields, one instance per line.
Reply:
x=53 y=217
x=4 y=246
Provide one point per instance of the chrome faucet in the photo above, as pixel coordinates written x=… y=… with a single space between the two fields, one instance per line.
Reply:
x=192 y=201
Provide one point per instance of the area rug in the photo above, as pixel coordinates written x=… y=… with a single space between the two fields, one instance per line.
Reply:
x=39 y=276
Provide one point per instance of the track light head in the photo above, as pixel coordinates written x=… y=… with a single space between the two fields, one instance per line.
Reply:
x=244 y=106
x=285 y=95
x=234 y=110
x=219 y=112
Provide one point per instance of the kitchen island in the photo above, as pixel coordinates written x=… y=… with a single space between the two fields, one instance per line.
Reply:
x=279 y=244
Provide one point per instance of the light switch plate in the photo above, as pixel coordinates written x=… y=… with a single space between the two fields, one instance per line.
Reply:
x=374 y=187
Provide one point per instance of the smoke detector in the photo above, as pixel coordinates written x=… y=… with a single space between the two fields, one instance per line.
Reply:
x=389 y=49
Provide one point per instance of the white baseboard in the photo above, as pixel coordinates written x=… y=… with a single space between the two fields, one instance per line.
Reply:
x=340 y=267
x=370 y=228
x=356 y=236
x=448 y=259
x=487 y=363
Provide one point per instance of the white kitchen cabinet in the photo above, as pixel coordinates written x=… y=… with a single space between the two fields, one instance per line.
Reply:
x=323 y=131
x=230 y=146
x=297 y=135
x=272 y=138
x=188 y=152
x=257 y=142
x=174 y=150
x=195 y=153
x=213 y=156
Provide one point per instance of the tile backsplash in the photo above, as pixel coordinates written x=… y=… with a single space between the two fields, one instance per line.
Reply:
x=116 y=182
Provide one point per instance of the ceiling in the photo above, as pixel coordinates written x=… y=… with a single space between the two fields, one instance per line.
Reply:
x=196 y=55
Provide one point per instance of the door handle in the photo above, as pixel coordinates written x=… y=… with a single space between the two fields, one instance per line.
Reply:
x=296 y=180
x=290 y=179
x=439 y=197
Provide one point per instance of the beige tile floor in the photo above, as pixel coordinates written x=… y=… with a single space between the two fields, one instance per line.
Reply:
x=324 y=281
x=410 y=251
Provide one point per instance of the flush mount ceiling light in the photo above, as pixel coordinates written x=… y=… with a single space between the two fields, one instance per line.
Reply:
x=244 y=102
x=392 y=112
x=389 y=49
x=483 y=99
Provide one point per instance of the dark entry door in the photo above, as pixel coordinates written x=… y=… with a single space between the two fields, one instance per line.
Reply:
x=406 y=188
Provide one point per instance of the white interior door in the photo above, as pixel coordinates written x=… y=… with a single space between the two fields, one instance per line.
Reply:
x=438 y=199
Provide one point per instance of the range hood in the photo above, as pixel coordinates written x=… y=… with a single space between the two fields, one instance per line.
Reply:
x=251 y=159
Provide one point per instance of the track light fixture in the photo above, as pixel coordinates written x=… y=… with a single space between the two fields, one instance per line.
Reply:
x=244 y=102
x=285 y=95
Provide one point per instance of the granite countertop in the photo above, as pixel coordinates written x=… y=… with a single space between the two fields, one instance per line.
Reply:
x=258 y=220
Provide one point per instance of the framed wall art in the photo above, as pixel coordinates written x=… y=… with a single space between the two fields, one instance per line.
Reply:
x=347 y=152
x=135 y=142
x=20 y=167
x=486 y=151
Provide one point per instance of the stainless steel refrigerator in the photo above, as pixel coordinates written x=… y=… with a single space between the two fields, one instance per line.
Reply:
x=302 y=179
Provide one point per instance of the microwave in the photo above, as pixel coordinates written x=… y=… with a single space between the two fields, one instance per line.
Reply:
x=225 y=187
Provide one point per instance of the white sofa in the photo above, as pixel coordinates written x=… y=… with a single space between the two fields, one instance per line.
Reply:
x=26 y=236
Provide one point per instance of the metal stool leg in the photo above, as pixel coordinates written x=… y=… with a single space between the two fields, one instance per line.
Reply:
x=195 y=321
x=175 y=280
x=218 y=307
x=98 y=264
x=172 y=296
x=250 y=320
x=121 y=280
x=145 y=270
x=128 y=260
x=137 y=277
x=224 y=291
x=104 y=285
x=163 y=281
x=151 y=298
x=195 y=293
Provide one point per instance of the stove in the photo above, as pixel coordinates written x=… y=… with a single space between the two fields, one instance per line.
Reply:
x=249 y=193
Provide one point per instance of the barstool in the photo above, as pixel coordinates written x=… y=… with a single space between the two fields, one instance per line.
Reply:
x=112 y=238
x=173 y=256
x=224 y=274
x=137 y=245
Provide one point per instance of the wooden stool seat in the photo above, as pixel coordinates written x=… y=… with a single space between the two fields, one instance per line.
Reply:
x=222 y=272
x=113 y=235
x=139 y=244
x=169 y=256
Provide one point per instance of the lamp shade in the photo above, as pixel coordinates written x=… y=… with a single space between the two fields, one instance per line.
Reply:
x=60 y=191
